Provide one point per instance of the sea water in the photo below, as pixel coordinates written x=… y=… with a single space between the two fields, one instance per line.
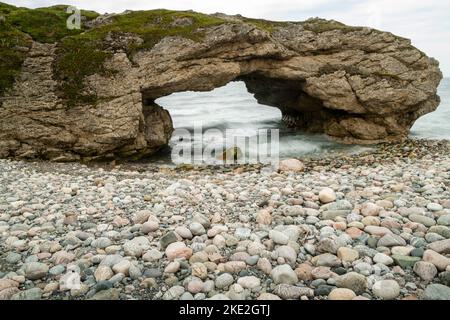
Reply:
x=233 y=110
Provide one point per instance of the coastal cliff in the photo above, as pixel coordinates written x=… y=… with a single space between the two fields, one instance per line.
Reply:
x=68 y=95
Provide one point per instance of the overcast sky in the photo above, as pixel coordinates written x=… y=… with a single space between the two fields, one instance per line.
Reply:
x=426 y=22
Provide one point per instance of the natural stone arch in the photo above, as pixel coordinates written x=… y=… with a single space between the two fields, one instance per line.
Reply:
x=358 y=85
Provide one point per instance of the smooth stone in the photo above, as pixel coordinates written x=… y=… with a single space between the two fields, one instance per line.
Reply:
x=172 y=267
x=370 y=209
x=445 y=277
x=103 y=273
x=318 y=282
x=152 y=273
x=444 y=220
x=338 y=205
x=110 y=294
x=183 y=232
x=327 y=195
x=425 y=270
x=441 y=230
x=441 y=247
x=8 y=283
x=391 y=240
x=323 y=290
x=365 y=251
x=149 y=226
x=224 y=280
x=8 y=293
x=426 y=221
x=288 y=253
x=353 y=281
x=122 y=267
x=263 y=217
x=173 y=293
x=168 y=238
x=264 y=265
x=341 y=294
x=249 y=282
x=418 y=242
x=383 y=259
x=101 y=243
x=284 y=274
x=268 y=297
x=291 y=165
x=347 y=254
x=326 y=260
x=242 y=233
x=13 y=258
x=197 y=229
x=141 y=216
x=195 y=286
x=178 y=250
x=386 y=289
x=35 y=270
x=401 y=251
x=363 y=268
x=30 y=294
x=278 y=237
x=434 y=207
x=433 y=237
x=56 y=270
x=333 y=214
x=436 y=292
x=405 y=261
x=219 y=296
x=136 y=246
x=111 y=260
x=187 y=295
x=417 y=252
x=152 y=255
x=372 y=242
x=377 y=231
x=303 y=272
x=290 y=292
x=441 y=262
x=103 y=285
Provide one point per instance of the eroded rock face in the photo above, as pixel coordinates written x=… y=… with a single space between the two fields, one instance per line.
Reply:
x=358 y=85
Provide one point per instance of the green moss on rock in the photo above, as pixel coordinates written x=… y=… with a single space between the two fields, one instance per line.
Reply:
x=13 y=47
x=77 y=59
x=82 y=55
x=6 y=8
x=46 y=25
x=154 y=25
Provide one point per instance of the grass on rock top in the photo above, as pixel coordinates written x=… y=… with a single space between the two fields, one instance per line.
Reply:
x=13 y=44
x=83 y=55
x=19 y=25
x=46 y=25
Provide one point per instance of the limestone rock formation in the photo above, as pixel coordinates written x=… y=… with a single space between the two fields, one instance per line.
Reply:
x=92 y=94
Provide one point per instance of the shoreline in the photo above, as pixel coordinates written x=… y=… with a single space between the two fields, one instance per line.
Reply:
x=414 y=148
x=370 y=226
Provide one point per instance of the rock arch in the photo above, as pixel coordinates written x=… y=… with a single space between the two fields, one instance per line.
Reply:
x=358 y=85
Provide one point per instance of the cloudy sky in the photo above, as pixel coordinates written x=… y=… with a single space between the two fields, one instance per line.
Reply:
x=427 y=23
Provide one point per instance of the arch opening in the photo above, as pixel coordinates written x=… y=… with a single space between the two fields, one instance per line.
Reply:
x=241 y=109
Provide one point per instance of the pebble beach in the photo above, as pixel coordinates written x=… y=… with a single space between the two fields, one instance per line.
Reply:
x=375 y=226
